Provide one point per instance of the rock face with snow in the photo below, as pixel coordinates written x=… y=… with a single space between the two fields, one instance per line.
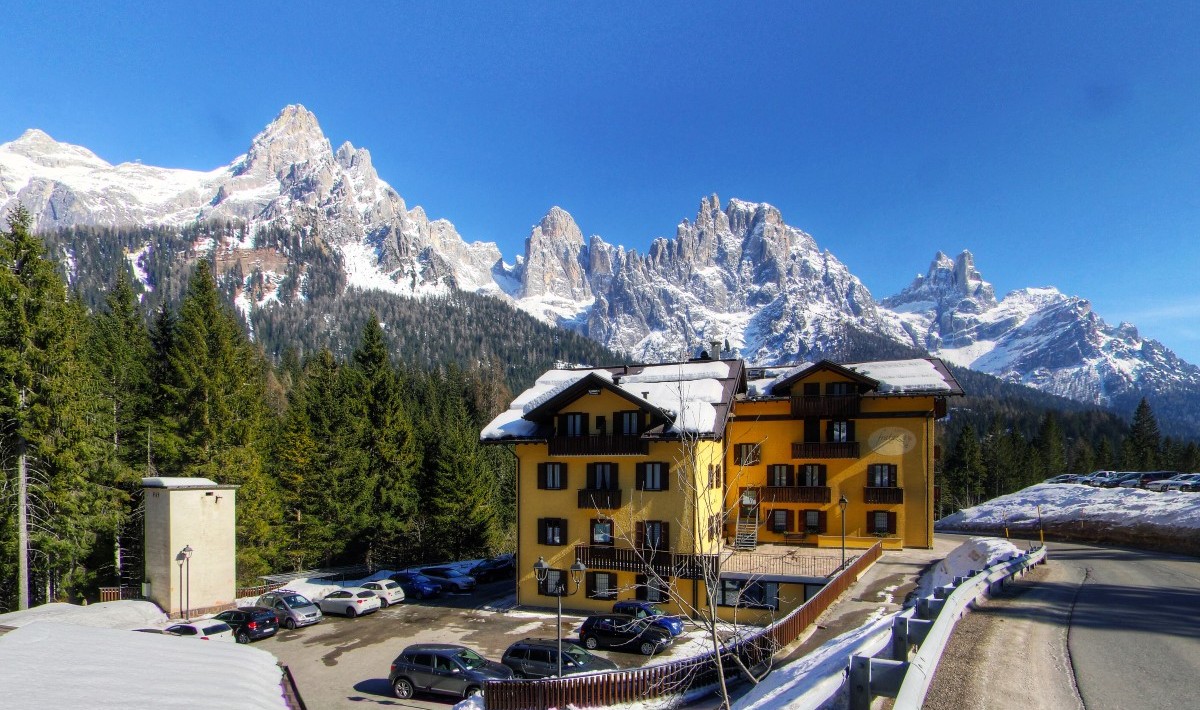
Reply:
x=1034 y=336
x=736 y=273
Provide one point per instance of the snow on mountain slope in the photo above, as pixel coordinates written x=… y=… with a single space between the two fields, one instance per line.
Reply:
x=736 y=273
x=1035 y=336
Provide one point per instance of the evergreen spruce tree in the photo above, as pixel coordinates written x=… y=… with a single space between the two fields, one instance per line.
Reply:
x=1142 y=451
x=965 y=471
x=1051 y=447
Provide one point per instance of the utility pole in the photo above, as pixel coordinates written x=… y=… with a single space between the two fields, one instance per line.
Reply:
x=22 y=515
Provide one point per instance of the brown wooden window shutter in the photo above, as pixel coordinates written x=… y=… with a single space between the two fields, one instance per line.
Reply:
x=639 y=481
x=601 y=425
x=789 y=522
x=641 y=582
x=891 y=523
x=639 y=535
x=591 y=584
x=562 y=425
x=871 y=522
x=665 y=543
x=541 y=531
x=791 y=474
x=892 y=475
x=666 y=476
x=541 y=474
x=812 y=430
x=822 y=522
x=850 y=431
x=591 y=476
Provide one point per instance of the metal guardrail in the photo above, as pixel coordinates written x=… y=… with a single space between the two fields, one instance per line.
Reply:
x=908 y=680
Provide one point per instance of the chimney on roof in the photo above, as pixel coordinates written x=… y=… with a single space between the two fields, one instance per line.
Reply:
x=714 y=349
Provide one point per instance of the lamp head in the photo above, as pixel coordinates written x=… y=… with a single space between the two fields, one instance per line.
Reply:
x=187 y=552
x=842 y=502
x=577 y=571
x=540 y=569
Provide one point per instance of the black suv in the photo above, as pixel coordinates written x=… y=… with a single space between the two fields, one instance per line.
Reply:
x=623 y=633
x=250 y=623
x=499 y=567
x=538 y=658
x=443 y=668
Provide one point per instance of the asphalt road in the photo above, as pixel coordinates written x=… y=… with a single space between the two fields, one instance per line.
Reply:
x=1107 y=627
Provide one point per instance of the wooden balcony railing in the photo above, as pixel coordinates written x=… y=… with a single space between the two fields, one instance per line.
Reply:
x=829 y=407
x=825 y=450
x=791 y=494
x=599 y=500
x=604 y=445
x=626 y=559
x=875 y=494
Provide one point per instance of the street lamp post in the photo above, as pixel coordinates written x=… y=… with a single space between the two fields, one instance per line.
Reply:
x=541 y=570
x=842 y=503
x=187 y=557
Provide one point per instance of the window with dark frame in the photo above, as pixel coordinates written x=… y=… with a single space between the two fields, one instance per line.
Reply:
x=651 y=588
x=652 y=476
x=779 y=521
x=881 y=522
x=714 y=526
x=747 y=454
x=601 y=585
x=573 y=425
x=552 y=531
x=838 y=389
x=839 y=431
x=631 y=423
x=812 y=522
x=552 y=584
x=602 y=532
x=812 y=474
x=779 y=474
x=602 y=476
x=552 y=476
x=881 y=475
x=654 y=535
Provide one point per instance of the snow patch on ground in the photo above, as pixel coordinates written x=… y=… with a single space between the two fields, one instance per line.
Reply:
x=1056 y=503
x=108 y=615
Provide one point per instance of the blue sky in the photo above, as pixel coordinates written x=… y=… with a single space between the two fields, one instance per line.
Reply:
x=1060 y=143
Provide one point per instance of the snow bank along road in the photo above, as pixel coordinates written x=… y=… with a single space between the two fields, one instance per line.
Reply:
x=1123 y=625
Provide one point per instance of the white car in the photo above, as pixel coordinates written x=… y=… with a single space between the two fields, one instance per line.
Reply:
x=351 y=601
x=388 y=591
x=204 y=629
x=1166 y=484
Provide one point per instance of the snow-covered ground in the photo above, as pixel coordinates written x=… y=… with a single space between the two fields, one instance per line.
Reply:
x=1128 y=517
x=107 y=615
x=808 y=682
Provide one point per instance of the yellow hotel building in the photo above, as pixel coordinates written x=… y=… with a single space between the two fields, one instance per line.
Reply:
x=660 y=479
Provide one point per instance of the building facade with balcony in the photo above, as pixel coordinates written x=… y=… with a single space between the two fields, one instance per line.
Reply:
x=804 y=437
x=642 y=473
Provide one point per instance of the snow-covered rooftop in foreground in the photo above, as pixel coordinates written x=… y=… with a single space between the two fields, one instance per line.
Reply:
x=1067 y=502
x=53 y=665
x=126 y=614
x=903 y=375
x=690 y=392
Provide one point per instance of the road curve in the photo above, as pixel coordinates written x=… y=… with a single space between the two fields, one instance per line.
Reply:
x=1096 y=627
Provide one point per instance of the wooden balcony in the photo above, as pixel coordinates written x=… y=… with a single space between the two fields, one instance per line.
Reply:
x=825 y=450
x=791 y=494
x=604 y=445
x=875 y=494
x=626 y=559
x=827 y=407
x=599 y=500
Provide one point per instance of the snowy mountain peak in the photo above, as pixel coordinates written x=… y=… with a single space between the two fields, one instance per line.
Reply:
x=39 y=148
x=945 y=285
x=555 y=263
x=293 y=138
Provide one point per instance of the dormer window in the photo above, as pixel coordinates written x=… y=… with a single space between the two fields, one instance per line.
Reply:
x=838 y=389
x=630 y=423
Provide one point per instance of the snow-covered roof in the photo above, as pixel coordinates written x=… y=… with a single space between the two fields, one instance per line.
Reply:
x=891 y=377
x=695 y=396
x=126 y=614
x=53 y=665
x=177 y=482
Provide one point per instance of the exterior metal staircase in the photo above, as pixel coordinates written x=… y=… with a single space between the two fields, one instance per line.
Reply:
x=746 y=535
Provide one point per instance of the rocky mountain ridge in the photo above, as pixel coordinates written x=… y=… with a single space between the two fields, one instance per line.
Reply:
x=736 y=273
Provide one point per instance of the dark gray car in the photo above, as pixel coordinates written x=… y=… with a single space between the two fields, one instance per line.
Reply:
x=538 y=658
x=443 y=668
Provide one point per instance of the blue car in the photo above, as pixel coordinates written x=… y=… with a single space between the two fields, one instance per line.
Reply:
x=658 y=617
x=417 y=585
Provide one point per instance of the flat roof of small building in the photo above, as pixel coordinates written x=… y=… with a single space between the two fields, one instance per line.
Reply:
x=182 y=482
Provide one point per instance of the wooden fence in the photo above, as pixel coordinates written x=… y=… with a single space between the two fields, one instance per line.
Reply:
x=674 y=677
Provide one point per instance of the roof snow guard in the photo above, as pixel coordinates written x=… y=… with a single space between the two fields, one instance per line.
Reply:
x=882 y=378
x=682 y=398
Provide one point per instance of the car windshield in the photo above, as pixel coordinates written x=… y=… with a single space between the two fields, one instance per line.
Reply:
x=469 y=659
x=296 y=600
x=576 y=654
x=390 y=585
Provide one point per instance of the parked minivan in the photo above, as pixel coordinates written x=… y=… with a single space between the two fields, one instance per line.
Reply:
x=291 y=608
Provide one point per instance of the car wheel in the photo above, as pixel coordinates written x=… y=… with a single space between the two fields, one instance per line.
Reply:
x=350 y=612
x=383 y=603
x=472 y=692
x=290 y=624
x=591 y=643
x=647 y=648
x=402 y=688
x=243 y=637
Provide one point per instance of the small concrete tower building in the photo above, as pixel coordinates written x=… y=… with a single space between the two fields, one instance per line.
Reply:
x=191 y=547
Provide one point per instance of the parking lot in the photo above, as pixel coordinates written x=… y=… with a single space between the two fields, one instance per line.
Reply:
x=342 y=663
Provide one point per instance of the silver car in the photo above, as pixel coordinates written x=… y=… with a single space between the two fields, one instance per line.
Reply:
x=388 y=591
x=291 y=608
